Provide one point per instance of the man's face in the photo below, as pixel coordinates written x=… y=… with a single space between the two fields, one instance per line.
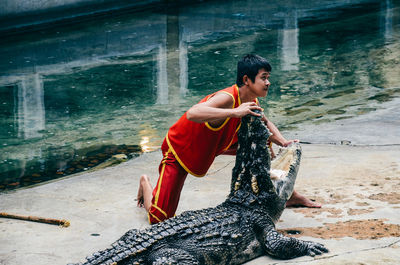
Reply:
x=261 y=83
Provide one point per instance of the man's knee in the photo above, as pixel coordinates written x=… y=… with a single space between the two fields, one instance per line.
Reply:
x=144 y=180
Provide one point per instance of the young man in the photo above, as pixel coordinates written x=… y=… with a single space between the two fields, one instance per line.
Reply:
x=206 y=130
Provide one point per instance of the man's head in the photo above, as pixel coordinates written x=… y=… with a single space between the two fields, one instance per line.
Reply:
x=249 y=66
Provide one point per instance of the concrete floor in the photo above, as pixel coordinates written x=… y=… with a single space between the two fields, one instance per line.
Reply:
x=350 y=181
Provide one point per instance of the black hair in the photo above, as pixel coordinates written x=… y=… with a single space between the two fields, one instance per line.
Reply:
x=249 y=65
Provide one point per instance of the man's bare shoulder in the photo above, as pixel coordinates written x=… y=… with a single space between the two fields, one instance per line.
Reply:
x=221 y=100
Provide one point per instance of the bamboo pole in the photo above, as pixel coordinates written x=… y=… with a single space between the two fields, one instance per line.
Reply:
x=63 y=222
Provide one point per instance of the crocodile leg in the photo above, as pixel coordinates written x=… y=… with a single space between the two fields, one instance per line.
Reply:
x=284 y=247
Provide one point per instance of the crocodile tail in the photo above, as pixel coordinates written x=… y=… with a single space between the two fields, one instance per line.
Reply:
x=135 y=244
x=129 y=244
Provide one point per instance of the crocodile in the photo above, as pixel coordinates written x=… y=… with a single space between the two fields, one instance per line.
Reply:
x=239 y=229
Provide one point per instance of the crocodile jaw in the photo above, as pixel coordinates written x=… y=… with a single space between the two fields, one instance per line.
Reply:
x=252 y=184
x=284 y=168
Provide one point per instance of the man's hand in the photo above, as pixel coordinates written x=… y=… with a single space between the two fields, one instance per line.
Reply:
x=289 y=142
x=247 y=108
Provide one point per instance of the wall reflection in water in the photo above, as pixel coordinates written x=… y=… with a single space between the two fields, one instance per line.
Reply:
x=290 y=43
x=117 y=84
x=31 y=111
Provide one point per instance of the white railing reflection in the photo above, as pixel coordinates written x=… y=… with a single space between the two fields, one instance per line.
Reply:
x=31 y=111
x=172 y=64
x=289 y=36
x=162 y=77
x=388 y=17
x=183 y=67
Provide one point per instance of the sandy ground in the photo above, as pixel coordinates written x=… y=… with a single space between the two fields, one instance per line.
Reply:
x=358 y=186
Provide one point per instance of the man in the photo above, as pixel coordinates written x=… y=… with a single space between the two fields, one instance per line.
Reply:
x=206 y=130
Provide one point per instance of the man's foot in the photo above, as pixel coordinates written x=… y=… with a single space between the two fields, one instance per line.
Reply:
x=298 y=200
x=144 y=180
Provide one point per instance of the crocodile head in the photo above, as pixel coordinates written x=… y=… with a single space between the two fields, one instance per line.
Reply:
x=254 y=183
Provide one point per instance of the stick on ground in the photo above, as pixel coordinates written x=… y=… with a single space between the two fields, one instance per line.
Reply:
x=63 y=223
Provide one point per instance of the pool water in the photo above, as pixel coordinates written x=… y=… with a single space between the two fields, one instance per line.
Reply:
x=73 y=96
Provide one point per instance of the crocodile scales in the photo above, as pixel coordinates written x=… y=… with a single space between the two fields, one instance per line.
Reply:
x=238 y=230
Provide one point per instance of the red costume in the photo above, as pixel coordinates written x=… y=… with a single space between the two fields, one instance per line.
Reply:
x=190 y=147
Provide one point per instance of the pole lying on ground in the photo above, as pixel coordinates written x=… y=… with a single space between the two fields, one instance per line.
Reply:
x=63 y=223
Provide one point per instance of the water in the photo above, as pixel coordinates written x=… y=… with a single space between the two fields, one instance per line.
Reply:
x=71 y=97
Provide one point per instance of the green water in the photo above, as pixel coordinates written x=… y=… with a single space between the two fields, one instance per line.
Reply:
x=71 y=97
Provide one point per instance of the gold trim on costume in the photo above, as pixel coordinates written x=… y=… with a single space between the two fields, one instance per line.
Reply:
x=155 y=217
x=180 y=161
x=229 y=145
x=161 y=178
x=227 y=119
x=239 y=100
x=161 y=211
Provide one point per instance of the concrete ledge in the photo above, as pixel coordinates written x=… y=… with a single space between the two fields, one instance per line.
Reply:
x=350 y=181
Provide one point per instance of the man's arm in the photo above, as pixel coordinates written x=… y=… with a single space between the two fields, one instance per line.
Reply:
x=218 y=108
x=276 y=137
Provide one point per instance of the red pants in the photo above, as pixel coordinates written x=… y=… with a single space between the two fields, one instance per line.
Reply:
x=167 y=192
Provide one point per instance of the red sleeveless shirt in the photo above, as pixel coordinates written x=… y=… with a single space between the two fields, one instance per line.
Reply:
x=195 y=145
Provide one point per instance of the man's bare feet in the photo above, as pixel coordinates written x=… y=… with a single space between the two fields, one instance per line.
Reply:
x=144 y=194
x=298 y=200
x=144 y=180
